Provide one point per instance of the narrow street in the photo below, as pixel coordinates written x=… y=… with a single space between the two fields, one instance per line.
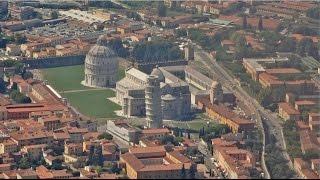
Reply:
x=229 y=82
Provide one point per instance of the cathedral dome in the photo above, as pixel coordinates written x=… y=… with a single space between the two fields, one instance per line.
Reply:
x=101 y=65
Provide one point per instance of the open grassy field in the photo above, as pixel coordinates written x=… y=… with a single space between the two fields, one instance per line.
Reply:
x=65 y=78
x=69 y=77
x=91 y=102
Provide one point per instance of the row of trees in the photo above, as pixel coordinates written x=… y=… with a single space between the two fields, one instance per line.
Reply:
x=245 y=23
x=305 y=30
x=161 y=9
x=156 y=51
x=104 y=4
x=213 y=131
x=276 y=42
x=171 y=139
x=117 y=46
x=51 y=5
x=95 y=157
x=133 y=15
x=27 y=162
x=106 y=136
x=277 y=164
x=314 y=12
x=234 y=7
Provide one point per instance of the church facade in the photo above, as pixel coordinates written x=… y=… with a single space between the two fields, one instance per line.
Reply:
x=175 y=94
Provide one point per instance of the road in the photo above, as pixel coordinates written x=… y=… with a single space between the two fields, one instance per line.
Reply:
x=230 y=83
x=202 y=147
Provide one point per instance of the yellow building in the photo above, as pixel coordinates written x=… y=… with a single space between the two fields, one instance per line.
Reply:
x=8 y=146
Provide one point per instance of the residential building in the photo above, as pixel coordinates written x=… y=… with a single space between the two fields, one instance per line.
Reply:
x=155 y=163
x=287 y=112
x=304 y=169
x=235 y=161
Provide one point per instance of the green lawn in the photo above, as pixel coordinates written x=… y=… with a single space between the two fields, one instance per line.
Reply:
x=93 y=103
x=65 y=78
x=69 y=77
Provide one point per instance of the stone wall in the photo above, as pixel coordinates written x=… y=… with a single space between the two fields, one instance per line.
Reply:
x=50 y=62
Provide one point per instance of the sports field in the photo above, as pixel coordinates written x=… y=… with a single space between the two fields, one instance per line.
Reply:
x=91 y=102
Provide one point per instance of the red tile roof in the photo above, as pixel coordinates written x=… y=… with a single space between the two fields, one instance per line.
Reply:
x=286 y=107
x=282 y=71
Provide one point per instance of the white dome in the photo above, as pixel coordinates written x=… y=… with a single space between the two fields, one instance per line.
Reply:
x=101 y=65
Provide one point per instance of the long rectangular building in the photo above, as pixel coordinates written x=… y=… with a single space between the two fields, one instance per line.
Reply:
x=225 y=116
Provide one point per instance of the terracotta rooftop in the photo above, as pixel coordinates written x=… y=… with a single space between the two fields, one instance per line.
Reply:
x=179 y=157
x=148 y=151
x=132 y=160
x=24 y=135
x=282 y=70
x=26 y=173
x=288 y=109
x=305 y=102
x=155 y=131
x=225 y=112
x=61 y=135
x=269 y=78
x=308 y=141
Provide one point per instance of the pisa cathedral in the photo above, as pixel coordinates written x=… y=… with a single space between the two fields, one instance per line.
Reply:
x=132 y=93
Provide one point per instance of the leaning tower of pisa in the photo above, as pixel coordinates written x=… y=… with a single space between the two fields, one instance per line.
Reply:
x=153 y=102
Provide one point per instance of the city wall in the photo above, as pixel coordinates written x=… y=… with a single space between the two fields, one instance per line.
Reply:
x=50 y=62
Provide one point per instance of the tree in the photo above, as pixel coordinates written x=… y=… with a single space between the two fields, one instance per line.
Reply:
x=260 y=24
x=183 y=172
x=54 y=15
x=180 y=32
x=105 y=135
x=24 y=163
x=306 y=47
x=134 y=15
x=98 y=156
x=56 y=165
x=90 y=156
x=20 y=39
x=99 y=169
x=3 y=87
x=233 y=8
x=117 y=46
x=162 y=9
x=287 y=45
x=311 y=154
x=27 y=75
x=244 y=23
x=314 y=12
x=14 y=86
x=156 y=51
x=264 y=97
x=305 y=30
x=38 y=15
x=192 y=172
x=271 y=40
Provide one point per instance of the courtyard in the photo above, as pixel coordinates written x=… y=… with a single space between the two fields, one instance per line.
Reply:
x=91 y=102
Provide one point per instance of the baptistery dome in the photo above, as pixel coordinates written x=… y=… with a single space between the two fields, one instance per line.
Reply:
x=101 y=65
